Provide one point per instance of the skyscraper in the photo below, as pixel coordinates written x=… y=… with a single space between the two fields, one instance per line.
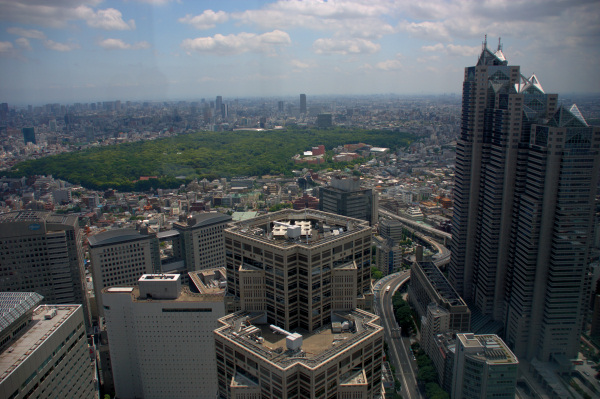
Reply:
x=41 y=252
x=161 y=336
x=302 y=103
x=28 y=135
x=522 y=225
x=299 y=277
x=218 y=103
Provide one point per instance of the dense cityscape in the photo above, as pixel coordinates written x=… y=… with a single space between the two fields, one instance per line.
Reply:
x=299 y=199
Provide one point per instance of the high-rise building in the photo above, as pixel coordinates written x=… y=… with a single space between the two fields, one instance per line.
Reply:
x=43 y=349
x=41 y=252
x=345 y=197
x=303 y=103
x=218 y=104
x=280 y=106
x=526 y=172
x=200 y=243
x=299 y=277
x=288 y=264
x=160 y=336
x=120 y=257
x=29 y=135
x=484 y=367
x=324 y=120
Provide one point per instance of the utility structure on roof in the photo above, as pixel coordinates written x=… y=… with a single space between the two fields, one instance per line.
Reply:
x=526 y=173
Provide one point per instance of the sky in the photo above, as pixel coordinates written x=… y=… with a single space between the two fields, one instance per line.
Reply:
x=92 y=50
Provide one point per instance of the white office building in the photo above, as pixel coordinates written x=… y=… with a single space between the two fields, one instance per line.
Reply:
x=161 y=337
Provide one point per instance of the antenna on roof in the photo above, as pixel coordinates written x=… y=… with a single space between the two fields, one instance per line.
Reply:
x=484 y=42
x=499 y=44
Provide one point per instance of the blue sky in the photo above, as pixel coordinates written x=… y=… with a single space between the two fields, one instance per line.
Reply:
x=93 y=50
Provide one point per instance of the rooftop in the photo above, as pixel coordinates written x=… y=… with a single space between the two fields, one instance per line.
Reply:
x=298 y=227
x=490 y=347
x=441 y=284
x=15 y=304
x=33 y=336
x=186 y=295
x=115 y=236
x=251 y=331
x=203 y=220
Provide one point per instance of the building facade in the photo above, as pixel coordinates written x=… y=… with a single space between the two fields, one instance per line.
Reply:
x=484 y=368
x=345 y=197
x=119 y=257
x=526 y=171
x=42 y=252
x=297 y=265
x=257 y=360
x=161 y=338
x=303 y=103
x=43 y=349
x=200 y=242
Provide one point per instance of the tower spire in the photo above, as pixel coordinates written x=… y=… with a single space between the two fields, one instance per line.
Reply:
x=499 y=44
x=484 y=42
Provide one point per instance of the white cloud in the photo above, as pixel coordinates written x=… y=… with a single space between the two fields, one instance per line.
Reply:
x=236 y=44
x=52 y=45
x=23 y=43
x=29 y=33
x=207 y=20
x=109 y=19
x=6 y=47
x=389 y=65
x=453 y=49
x=118 y=44
x=58 y=13
x=349 y=18
x=345 y=46
x=299 y=64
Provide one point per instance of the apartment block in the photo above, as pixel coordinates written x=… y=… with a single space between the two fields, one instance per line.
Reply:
x=43 y=349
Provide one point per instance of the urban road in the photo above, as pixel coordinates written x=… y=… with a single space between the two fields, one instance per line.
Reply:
x=399 y=350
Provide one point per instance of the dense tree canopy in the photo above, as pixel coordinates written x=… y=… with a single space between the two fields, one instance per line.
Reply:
x=174 y=160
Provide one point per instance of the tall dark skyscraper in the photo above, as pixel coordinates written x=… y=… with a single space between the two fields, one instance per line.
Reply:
x=526 y=172
x=302 y=103
x=218 y=105
x=29 y=135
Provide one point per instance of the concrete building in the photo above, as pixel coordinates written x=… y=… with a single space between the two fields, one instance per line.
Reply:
x=388 y=255
x=29 y=135
x=42 y=252
x=391 y=229
x=340 y=360
x=303 y=103
x=298 y=265
x=201 y=240
x=161 y=337
x=345 y=197
x=119 y=257
x=484 y=368
x=324 y=120
x=526 y=175
x=429 y=285
x=43 y=349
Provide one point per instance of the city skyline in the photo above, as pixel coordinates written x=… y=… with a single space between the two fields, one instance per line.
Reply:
x=92 y=50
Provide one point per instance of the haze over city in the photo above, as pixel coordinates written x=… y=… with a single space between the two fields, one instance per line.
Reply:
x=86 y=50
